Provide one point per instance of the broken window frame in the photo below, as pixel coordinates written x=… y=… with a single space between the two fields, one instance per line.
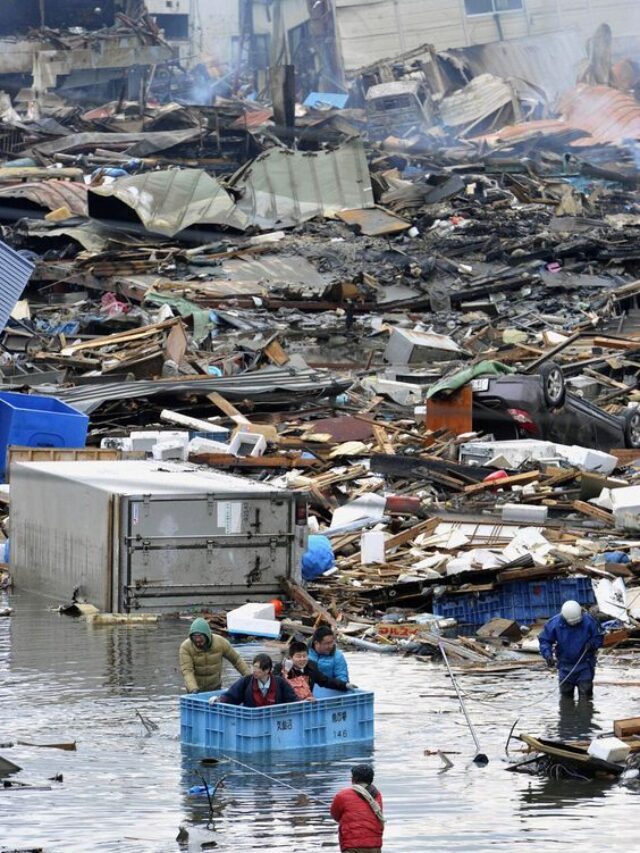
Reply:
x=494 y=7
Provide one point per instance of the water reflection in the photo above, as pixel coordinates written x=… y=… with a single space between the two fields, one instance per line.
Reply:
x=575 y=719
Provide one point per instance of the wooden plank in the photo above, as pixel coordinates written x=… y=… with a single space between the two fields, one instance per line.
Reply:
x=616 y=343
x=226 y=460
x=228 y=408
x=275 y=353
x=513 y=480
x=304 y=599
x=383 y=442
x=625 y=728
x=594 y=512
x=531 y=368
x=625 y=455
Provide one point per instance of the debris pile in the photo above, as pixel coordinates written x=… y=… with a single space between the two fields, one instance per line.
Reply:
x=417 y=309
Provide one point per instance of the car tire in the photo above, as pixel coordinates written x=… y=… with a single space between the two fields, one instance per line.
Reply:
x=631 y=420
x=553 y=387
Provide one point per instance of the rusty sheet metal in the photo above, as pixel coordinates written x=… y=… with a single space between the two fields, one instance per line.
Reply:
x=374 y=221
x=50 y=195
x=597 y=115
x=608 y=115
x=253 y=119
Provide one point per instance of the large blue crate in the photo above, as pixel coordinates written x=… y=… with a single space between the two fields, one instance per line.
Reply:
x=335 y=718
x=523 y=601
x=28 y=420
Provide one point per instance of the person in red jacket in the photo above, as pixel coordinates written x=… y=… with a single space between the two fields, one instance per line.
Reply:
x=358 y=811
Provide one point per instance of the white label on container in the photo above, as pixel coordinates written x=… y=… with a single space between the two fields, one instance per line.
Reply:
x=230 y=516
x=135 y=514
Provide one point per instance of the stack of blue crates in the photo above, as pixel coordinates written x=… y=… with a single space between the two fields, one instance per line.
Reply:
x=523 y=601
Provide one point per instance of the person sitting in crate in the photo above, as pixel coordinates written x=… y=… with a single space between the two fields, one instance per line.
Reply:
x=259 y=690
x=303 y=674
x=201 y=657
x=326 y=655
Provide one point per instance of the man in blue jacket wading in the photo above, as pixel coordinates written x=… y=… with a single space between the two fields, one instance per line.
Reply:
x=569 y=641
x=326 y=655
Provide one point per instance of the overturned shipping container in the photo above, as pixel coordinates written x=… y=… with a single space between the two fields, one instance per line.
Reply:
x=130 y=535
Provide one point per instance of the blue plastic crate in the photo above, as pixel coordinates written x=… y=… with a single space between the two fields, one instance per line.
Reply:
x=335 y=718
x=470 y=609
x=28 y=420
x=523 y=601
x=531 y=600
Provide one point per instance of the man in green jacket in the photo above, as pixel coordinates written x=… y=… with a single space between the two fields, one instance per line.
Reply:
x=201 y=658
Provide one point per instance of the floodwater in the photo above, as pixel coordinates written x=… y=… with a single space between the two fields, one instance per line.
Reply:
x=126 y=791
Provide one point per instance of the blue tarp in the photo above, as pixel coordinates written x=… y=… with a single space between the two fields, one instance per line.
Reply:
x=332 y=99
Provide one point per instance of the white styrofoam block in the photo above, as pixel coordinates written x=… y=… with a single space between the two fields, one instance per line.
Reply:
x=247 y=444
x=170 y=450
x=626 y=507
x=207 y=445
x=609 y=749
x=255 y=619
x=524 y=513
x=144 y=440
x=372 y=547
x=587 y=459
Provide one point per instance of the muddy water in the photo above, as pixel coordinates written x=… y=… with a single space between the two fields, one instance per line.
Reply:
x=125 y=790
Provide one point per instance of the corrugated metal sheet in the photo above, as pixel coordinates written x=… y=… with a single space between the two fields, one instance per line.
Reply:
x=269 y=383
x=597 y=114
x=484 y=96
x=51 y=195
x=608 y=115
x=168 y=201
x=15 y=272
x=533 y=59
x=139 y=144
x=283 y=188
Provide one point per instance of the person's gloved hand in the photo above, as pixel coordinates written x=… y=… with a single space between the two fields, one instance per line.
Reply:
x=213 y=700
x=551 y=664
x=351 y=686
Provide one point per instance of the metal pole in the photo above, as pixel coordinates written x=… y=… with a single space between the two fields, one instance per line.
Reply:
x=480 y=758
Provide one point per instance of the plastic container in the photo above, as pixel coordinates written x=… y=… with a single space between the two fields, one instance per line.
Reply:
x=523 y=601
x=28 y=420
x=335 y=718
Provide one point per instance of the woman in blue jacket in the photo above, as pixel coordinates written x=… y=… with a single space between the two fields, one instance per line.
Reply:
x=573 y=637
x=327 y=656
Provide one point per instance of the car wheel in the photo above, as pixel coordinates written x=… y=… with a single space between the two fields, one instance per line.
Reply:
x=553 y=388
x=632 y=428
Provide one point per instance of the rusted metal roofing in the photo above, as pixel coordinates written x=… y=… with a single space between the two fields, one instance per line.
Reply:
x=252 y=119
x=598 y=115
x=50 y=195
x=608 y=115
